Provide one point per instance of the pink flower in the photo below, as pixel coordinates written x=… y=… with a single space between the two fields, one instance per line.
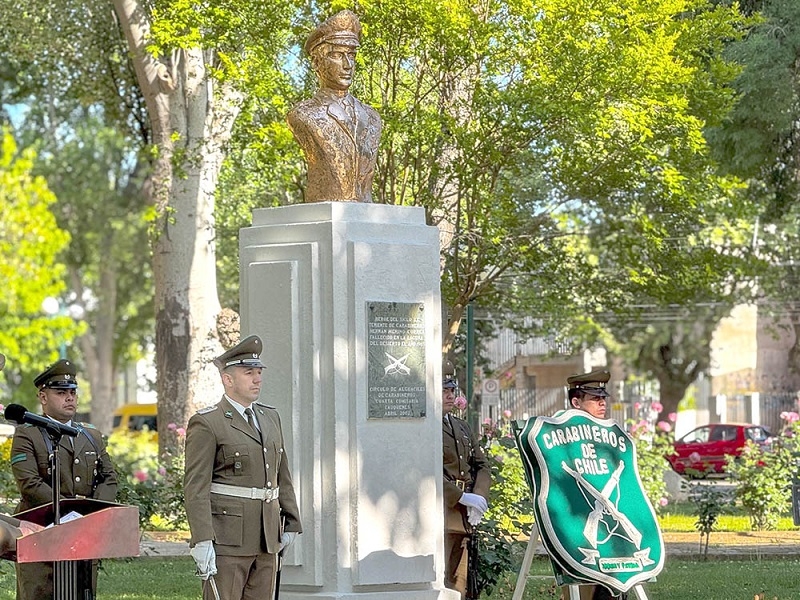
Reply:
x=162 y=471
x=789 y=416
x=694 y=457
x=637 y=406
x=507 y=414
x=657 y=406
x=141 y=476
x=180 y=431
x=172 y=427
x=487 y=421
x=663 y=502
x=672 y=417
x=664 y=426
x=460 y=402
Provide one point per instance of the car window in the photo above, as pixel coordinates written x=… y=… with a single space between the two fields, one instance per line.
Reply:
x=757 y=434
x=723 y=433
x=698 y=436
x=139 y=422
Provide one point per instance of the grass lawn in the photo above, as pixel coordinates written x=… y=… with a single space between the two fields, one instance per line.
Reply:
x=679 y=518
x=173 y=579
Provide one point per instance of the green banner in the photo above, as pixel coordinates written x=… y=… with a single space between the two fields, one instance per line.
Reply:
x=593 y=515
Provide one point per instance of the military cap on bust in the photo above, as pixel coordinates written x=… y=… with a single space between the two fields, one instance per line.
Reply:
x=342 y=29
x=246 y=353
x=593 y=383
x=58 y=376
x=449 y=376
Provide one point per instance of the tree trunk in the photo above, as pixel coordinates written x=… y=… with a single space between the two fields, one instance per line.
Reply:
x=191 y=121
x=98 y=345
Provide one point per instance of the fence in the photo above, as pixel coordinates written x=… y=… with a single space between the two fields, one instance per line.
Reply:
x=523 y=403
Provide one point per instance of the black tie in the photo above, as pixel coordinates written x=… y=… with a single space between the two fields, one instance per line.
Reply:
x=252 y=421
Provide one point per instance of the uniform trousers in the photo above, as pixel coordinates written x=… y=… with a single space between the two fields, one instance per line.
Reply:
x=244 y=577
x=456 y=552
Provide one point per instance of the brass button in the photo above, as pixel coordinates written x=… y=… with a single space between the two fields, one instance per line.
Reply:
x=77 y=461
x=236 y=454
x=78 y=478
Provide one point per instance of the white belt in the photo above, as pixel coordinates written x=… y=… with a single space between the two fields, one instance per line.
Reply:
x=265 y=494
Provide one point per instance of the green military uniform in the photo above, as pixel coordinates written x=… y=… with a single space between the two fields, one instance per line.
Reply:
x=222 y=449
x=465 y=470
x=85 y=470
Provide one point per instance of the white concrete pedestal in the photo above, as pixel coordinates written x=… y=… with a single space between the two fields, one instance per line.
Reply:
x=370 y=489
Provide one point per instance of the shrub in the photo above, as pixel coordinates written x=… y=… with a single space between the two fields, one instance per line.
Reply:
x=763 y=476
x=653 y=444
x=708 y=505
x=9 y=495
x=509 y=520
x=153 y=484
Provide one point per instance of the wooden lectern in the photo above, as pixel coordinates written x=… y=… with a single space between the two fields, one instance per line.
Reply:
x=106 y=530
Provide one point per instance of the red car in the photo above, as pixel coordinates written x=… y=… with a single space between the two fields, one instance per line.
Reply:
x=705 y=449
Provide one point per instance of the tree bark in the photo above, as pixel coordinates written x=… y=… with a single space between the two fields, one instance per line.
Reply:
x=191 y=122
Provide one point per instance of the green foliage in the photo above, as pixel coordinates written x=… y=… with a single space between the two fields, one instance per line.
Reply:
x=510 y=515
x=709 y=504
x=521 y=127
x=30 y=271
x=652 y=444
x=762 y=482
x=8 y=487
x=154 y=484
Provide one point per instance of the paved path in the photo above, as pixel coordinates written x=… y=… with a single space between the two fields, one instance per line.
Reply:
x=743 y=545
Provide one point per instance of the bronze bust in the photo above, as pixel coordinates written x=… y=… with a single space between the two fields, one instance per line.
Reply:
x=338 y=134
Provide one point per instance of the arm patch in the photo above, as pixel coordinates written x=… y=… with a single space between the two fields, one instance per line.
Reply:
x=18 y=458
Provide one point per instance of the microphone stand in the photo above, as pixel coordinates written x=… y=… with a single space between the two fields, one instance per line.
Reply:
x=61 y=569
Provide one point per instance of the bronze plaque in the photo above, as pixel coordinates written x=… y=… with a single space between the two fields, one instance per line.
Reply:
x=396 y=360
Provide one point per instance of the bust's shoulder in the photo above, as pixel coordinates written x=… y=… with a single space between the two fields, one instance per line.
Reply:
x=305 y=110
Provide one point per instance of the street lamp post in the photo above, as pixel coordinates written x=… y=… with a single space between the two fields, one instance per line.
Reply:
x=55 y=307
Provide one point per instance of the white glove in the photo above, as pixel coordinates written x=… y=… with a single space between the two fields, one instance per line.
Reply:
x=287 y=538
x=205 y=558
x=475 y=501
x=474 y=516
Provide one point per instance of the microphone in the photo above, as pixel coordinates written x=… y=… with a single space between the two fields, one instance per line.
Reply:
x=20 y=414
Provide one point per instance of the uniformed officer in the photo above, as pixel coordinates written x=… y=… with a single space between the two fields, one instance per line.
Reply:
x=85 y=467
x=467 y=478
x=587 y=392
x=240 y=501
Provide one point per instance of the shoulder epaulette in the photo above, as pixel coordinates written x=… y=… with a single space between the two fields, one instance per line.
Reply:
x=207 y=409
x=265 y=405
x=86 y=425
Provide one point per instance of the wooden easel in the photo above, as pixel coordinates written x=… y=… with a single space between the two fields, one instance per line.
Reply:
x=574 y=590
